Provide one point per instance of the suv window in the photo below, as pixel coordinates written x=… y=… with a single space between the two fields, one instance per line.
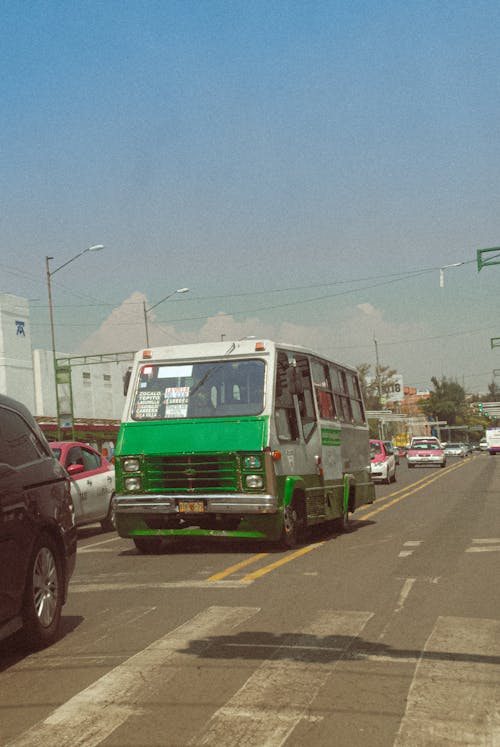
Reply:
x=21 y=443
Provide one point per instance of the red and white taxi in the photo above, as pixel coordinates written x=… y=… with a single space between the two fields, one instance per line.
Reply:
x=382 y=461
x=425 y=452
x=92 y=482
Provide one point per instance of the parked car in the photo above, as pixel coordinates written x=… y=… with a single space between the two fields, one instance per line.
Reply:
x=423 y=453
x=37 y=529
x=92 y=482
x=454 y=449
x=382 y=461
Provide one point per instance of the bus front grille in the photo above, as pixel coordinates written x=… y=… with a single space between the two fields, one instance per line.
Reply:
x=193 y=473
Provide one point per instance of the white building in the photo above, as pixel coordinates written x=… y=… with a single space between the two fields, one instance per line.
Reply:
x=28 y=375
x=16 y=363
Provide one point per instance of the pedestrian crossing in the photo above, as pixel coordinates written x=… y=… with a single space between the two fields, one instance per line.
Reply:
x=453 y=683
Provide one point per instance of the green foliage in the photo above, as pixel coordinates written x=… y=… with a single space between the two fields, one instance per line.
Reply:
x=446 y=402
x=493 y=392
x=374 y=384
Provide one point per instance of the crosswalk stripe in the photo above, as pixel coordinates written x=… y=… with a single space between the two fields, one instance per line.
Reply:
x=276 y=696
x=84 y=587
x=453 y=697
x=93 y=714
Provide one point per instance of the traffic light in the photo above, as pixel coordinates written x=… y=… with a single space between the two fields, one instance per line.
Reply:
x=480 y=406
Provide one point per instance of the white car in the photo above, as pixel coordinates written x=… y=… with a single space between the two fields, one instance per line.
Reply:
x=454 y=449
x=92 y=482
x=483 y=445
x=382 y=461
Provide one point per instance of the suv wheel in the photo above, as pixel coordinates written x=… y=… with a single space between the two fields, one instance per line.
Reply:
x=43 y=593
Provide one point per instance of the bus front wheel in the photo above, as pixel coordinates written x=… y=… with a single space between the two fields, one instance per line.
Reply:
x=292 y=525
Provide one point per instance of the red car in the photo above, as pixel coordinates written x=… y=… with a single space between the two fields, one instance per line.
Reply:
x=92 y=482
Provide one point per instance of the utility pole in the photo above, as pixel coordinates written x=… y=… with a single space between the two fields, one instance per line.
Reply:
x=379 y=386
x=377 y=370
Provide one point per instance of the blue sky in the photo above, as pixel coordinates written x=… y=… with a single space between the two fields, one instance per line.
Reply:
x=303 y=167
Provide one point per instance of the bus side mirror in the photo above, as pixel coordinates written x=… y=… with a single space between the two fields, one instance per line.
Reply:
x=126 y=381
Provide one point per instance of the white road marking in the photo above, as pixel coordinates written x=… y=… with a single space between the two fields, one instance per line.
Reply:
x=487 y=541
x=403 y=596
x=86 y=548
x=487 y=544
x=78 y=587
x=453 y=699
x=90 y=717
x=277 y=695
x=409 y=543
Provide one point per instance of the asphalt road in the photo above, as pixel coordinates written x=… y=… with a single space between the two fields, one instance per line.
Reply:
x=386 y=635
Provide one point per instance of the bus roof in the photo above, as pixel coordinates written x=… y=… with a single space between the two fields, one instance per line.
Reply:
x=229 y=348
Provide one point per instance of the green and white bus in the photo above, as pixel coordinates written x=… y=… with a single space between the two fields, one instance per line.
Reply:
x=252 y=439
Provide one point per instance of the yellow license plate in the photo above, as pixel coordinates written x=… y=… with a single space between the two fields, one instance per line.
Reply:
x=191 y=507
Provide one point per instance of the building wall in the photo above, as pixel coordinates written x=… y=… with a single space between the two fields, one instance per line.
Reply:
x=16 y=369
x=97 y=388
x=28 y=376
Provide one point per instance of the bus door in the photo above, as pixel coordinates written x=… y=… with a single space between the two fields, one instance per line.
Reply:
x=329 y=426
x=297 y=427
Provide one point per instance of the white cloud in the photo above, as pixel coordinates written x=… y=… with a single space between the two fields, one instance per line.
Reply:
x=404 y=346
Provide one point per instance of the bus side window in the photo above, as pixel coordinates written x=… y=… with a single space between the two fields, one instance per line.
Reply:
x=306 y=401
x=323 y=389
x=285 y=416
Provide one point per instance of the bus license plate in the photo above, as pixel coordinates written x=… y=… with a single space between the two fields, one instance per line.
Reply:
x=191 y=507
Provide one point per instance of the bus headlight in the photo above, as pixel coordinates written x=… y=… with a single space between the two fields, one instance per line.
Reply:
x=132 y=483
x=254 y=481
x=130 y=465
x=252 y=461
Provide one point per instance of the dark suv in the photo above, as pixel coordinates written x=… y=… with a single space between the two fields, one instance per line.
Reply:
x=37 y=529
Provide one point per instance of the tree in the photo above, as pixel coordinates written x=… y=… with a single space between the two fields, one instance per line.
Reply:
x=493 y=392
x=446 y=402
x=376 y=384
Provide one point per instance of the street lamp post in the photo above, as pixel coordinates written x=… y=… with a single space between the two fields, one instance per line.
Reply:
x=442 y=269
x=49 y=273
x=146 y=311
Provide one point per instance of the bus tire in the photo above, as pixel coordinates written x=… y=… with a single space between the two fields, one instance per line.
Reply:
x=148 y=545
x=293 y=524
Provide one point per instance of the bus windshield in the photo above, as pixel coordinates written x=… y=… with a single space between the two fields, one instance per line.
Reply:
x=199 y=390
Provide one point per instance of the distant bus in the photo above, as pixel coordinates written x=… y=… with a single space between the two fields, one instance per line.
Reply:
x=248 y=439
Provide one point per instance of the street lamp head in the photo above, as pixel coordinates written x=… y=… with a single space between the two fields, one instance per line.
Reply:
x=182 y=290
x=95 y=248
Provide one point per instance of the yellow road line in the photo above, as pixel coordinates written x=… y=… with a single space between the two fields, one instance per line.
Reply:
x=233 y=568
x=405 y=492
x=281 y=561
